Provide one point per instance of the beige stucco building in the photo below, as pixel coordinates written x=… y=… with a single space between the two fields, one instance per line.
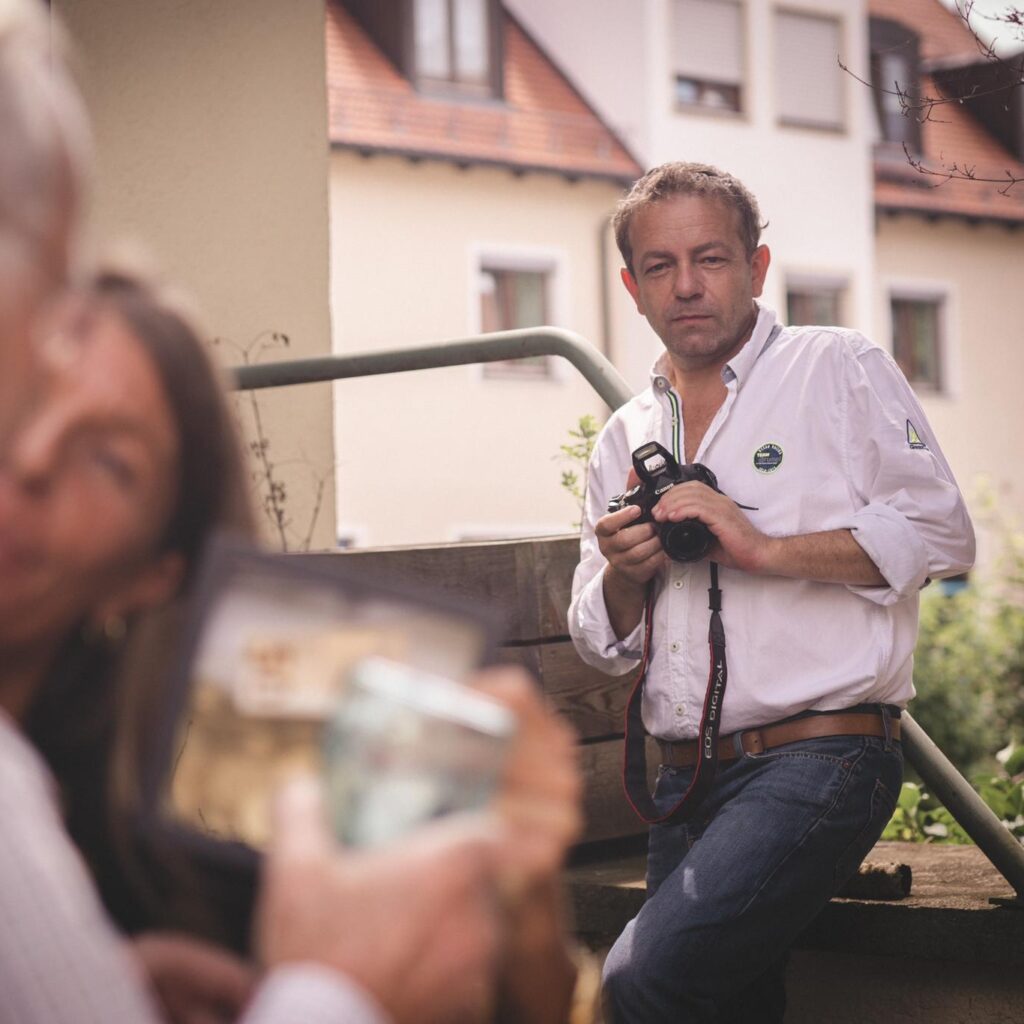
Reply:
x=974 y=273
x=211 y=153
x=453 y=214
x=950 y=250
x=405 y=207
x=466 y=452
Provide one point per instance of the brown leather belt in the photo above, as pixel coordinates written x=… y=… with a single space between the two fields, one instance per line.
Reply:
x=755 y=741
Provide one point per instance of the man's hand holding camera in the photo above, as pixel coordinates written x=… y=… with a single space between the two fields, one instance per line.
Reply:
x=738 y=543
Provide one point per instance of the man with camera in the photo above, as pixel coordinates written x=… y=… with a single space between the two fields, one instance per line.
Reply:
x=794 y=479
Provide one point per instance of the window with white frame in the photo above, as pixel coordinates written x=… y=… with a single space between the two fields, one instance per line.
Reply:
x=453 y=46
x=511 y=298
x=808 y=79
x=917 y=339
x=810 y=301
x=708 y=54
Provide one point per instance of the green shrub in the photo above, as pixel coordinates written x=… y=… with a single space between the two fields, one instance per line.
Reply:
x=919 y=818
x=969 y=676
x=969 y=664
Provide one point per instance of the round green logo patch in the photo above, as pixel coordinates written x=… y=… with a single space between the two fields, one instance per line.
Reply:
x=768 y=458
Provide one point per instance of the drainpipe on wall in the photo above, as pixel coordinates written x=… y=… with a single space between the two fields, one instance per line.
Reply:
x=604 y=292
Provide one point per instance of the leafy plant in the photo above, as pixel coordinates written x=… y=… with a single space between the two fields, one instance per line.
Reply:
x=578 y=452
x=969 y=660
x=919 y=818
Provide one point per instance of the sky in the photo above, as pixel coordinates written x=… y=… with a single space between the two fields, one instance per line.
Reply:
x=1009 y=38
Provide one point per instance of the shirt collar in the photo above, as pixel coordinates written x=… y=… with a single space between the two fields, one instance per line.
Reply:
x=738 y=368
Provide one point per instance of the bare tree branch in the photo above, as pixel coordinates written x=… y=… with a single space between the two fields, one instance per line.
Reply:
x=271 y=488
x=959 y=172
x=921 y=106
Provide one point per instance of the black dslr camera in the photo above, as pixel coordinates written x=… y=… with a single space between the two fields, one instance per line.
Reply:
x=686 y=541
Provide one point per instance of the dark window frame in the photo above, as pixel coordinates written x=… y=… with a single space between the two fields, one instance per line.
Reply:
x=904 y=343
x=810 y=291
x=704 y=87
x=892 y=37
x=532 y=368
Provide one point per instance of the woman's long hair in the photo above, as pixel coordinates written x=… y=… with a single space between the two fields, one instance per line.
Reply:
x=92 y=716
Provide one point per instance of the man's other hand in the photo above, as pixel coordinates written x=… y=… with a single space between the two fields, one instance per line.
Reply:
x=414 y=924
x=633 y=550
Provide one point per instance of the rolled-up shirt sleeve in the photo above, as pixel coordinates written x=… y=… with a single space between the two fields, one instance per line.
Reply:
x=589 y=626
x=911 y=519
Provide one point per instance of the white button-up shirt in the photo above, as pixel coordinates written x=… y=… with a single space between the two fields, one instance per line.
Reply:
x=819 y=431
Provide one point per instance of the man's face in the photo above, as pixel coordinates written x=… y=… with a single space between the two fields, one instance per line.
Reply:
x=693 y=280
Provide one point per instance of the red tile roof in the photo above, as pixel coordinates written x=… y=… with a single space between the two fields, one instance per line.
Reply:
x=542 y=124
x=949 y=135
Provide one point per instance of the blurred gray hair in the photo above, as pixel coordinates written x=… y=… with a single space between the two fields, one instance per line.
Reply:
x=43 y=125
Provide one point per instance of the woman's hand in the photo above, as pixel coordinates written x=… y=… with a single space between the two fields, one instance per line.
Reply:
x=195 y=981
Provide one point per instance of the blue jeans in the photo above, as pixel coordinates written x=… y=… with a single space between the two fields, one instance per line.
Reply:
x=728 y=892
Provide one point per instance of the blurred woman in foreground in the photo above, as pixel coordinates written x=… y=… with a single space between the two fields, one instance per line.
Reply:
x=107 y=495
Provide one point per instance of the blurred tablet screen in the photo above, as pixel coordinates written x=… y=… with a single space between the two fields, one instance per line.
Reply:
x=270 y=645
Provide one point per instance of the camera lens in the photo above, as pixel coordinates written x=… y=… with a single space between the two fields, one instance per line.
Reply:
x=688 y=541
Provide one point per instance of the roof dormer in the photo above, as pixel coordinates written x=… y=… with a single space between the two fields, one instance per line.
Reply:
x=444 y=47
x=895 y=82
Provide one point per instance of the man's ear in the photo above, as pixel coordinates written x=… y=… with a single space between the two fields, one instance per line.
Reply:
x=759 y=263
x=631 y=286
x=151 y=587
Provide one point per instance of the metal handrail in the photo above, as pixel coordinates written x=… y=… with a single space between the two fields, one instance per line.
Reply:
x=937 y=771
x=481 y=348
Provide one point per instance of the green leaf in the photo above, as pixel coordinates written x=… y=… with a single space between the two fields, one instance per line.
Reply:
x=1015 y=762
x=910 y=797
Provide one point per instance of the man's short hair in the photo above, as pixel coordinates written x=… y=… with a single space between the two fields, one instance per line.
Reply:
x=688 y=179
x=43 y=125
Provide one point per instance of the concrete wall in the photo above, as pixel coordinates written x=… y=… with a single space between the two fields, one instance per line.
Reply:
x=846 y=989
x=814 y=186
x=441 y=455
x=979 y=417
x=210 y=124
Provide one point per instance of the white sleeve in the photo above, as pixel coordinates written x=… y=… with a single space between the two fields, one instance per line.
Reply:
x=312 y=994
x=61 y=960
x=912 y=520
x=589 y=626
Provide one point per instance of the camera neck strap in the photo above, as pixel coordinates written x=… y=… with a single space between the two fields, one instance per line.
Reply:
x=635 y=758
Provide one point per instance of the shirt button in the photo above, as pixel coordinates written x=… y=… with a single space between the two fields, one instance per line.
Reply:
x=674 y=646
x=680 y=710
x=678 y=584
